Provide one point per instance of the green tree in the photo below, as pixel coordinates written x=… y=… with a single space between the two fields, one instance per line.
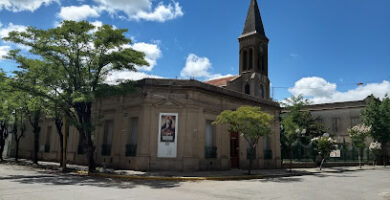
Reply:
x=289 y=136
x=325 y=145
x=20 y=116
x=302 y=118
x=74 y=60
x=56 y=112
x=376 y=149
x=249 y=122
x=35 y=109
x=377 y=115
x=35 y=104
x=13 y=110
x=5 y=112
x=297 y=122
x=358 y=135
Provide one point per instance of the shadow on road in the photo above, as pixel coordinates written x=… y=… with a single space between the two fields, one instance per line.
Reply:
x=324 y=175
x=89 y=181
x=282 y=180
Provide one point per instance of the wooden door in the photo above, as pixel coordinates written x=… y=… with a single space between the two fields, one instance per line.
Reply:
x=234 y=150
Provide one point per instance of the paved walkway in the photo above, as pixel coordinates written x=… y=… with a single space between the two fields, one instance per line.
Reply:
x=218 y=175
x=26 y=182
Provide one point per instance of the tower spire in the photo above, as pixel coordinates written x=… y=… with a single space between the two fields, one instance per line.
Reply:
x=253 y=23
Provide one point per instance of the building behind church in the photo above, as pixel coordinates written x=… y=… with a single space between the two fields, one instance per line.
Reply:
x=167 y=123
x=338 y=117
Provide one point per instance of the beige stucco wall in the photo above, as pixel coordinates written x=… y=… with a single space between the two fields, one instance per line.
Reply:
x=344 y=117
x=193 y=106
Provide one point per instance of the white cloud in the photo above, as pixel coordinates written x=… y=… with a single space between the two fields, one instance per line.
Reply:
x=126 y=6
x=161 y=13
x=4 y=51
x=120 y=76
x=218 y=76
x=318 y=90
x=78 y=13
x=198 y=67
x=141 y=9
x=97 y=24
x=24 y=5
x=4 y=31
x=152 y=54
x=313 y=86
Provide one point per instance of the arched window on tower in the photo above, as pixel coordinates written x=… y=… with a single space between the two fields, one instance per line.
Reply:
x=247 y=89
x=260 y=60
x=245 y=60
x=264 y=64
x=259 y=63
x=261 y=92
x=250 y=59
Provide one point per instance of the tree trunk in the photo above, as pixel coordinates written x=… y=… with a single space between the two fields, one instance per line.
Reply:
x=251 y=161
x=59 y=124
x=61 y=152
x=84 y=115
x=291 y=157
x=2 y=144
x=384 y=154
x=322 y=162
x=17 y=150
x=34 y=122
x=3 y=137
x=36 y=144
x=90 y=154
x=360 y=159
x=250 y=166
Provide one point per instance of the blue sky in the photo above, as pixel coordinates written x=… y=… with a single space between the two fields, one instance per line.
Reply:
x=317 y=48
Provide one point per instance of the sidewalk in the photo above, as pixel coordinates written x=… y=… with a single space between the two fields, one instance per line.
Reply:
x=234 y=174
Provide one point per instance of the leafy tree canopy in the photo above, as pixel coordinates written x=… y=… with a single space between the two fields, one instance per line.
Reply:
x=68 y=65
x=297 y=120
x=377 y=115
x=250 y=122
x=72 y=60
x=358 y=135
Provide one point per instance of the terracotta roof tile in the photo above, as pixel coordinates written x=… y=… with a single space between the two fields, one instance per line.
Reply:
x=221 y=81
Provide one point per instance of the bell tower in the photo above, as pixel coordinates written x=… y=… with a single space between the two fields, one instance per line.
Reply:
x=254 y=55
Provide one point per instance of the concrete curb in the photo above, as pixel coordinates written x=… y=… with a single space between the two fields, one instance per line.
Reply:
x=167 y=178
x=179 y=178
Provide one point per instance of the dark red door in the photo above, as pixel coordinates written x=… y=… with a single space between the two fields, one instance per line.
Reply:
x=234 y=150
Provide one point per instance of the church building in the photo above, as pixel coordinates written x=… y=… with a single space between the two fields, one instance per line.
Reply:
x=167 y=123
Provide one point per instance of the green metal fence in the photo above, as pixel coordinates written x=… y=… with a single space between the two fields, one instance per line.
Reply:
x=306 y=152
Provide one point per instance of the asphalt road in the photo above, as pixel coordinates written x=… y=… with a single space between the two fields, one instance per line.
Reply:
x=17 y=182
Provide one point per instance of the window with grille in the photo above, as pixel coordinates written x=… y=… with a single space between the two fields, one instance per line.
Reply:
x=132 y=138
x=107 y=137
x=210 y=149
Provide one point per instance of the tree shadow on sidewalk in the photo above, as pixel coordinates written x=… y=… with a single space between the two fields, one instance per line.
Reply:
x=67 y=179
x=282 y=180
x=333 y=174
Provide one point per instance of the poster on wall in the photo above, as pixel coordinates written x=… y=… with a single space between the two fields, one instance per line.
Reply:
x=167 y=135
x=168 y=127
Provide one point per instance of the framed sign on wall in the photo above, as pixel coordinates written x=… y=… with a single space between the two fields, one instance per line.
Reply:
x=167 y=136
